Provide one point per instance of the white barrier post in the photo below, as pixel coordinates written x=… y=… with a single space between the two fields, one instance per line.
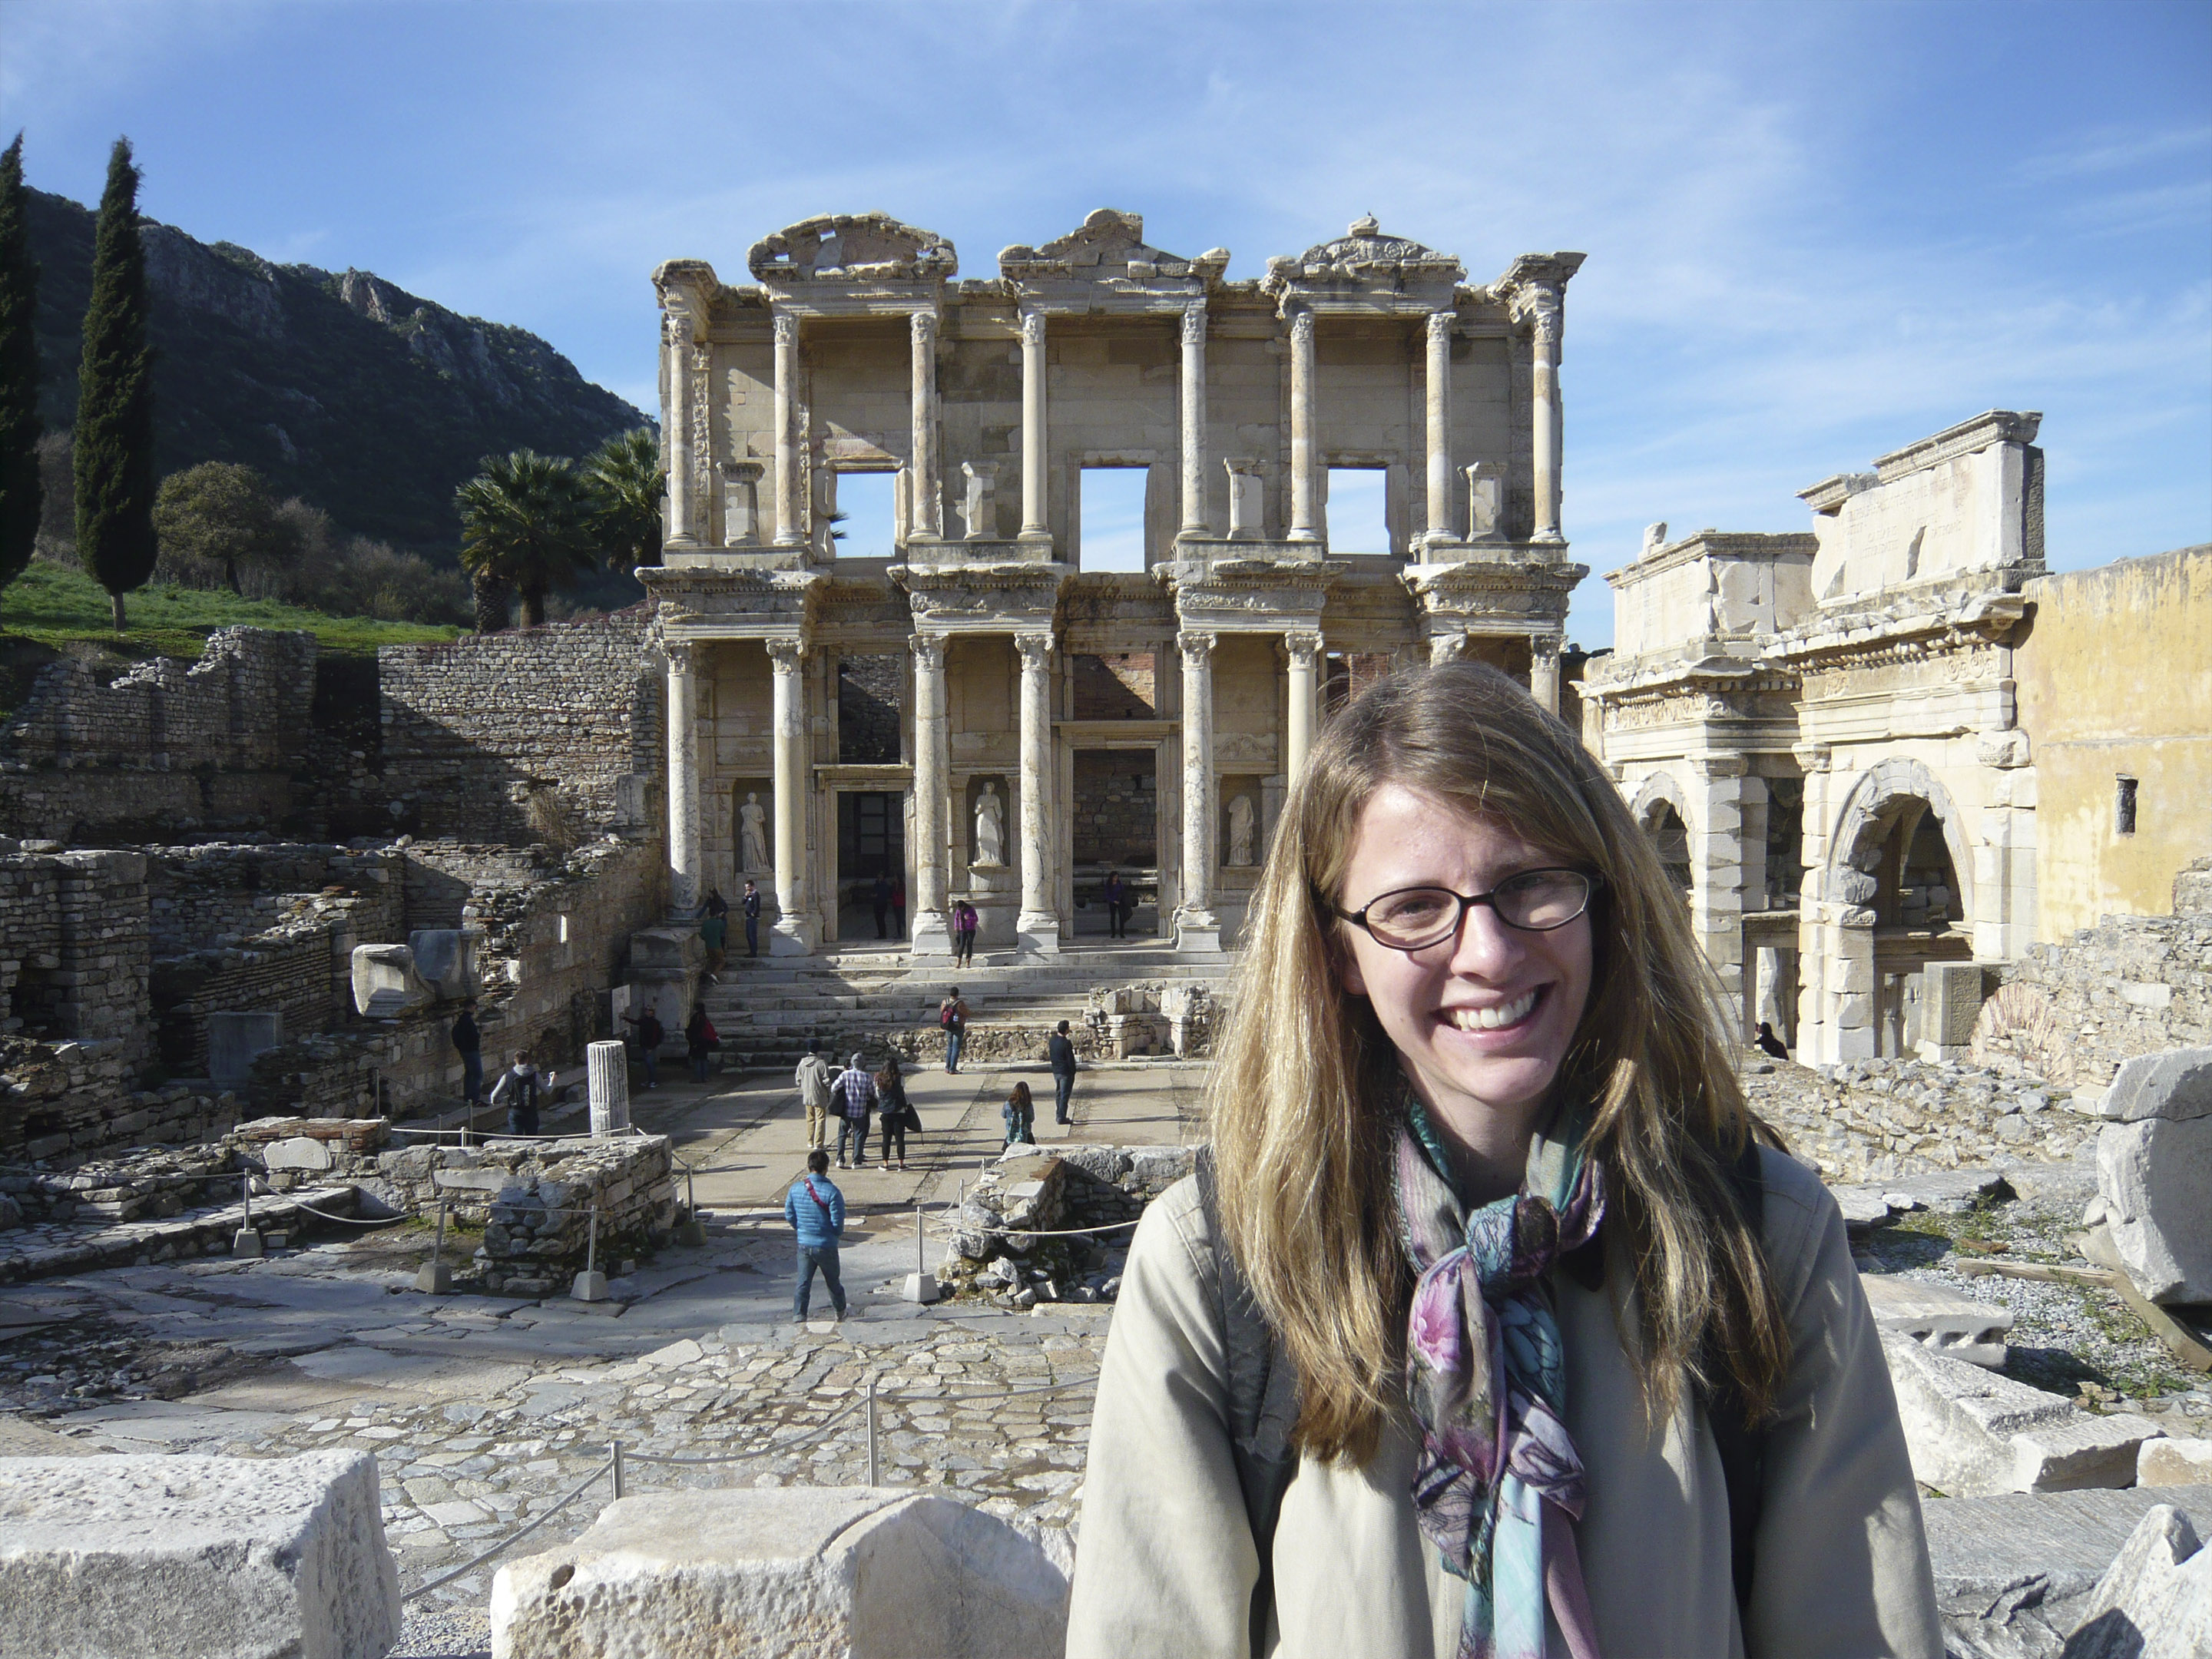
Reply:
x=247 y=1240
x=436 y=1278
x=920 y=1284
x=591 y=1285
x=875 y=1460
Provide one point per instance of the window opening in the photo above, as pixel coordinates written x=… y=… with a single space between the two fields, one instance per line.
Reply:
x=1112 y=517
x=2123 y=806
x=868 y=709
x=1358 y=512
x=861 y=520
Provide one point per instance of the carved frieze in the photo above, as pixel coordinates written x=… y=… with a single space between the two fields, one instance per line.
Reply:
x=853 y=248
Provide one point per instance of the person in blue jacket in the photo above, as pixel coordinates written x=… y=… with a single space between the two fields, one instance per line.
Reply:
x=815 y=1210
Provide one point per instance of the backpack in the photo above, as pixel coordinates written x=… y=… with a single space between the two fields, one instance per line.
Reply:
x=1263 y=1406
x=944 y=1016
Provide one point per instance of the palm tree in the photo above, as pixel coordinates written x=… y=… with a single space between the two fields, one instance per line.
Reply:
x=526 y=522
x=628 y=483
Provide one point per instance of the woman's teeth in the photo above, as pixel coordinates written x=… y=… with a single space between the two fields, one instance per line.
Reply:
x=1491 y=1020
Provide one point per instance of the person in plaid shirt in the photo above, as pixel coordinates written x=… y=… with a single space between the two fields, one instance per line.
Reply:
x=854 y=1091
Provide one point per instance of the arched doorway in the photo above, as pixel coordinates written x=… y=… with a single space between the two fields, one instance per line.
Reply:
x=1905 y=876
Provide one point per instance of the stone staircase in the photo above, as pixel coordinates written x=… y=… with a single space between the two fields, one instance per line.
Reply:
x=766 y=1010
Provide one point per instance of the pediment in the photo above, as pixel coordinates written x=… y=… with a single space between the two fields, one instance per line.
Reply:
x=1106 y=245
x=853 y=247
x=1364 y=253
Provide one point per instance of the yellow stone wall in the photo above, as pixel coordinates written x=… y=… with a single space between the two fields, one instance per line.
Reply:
x=2114 y=677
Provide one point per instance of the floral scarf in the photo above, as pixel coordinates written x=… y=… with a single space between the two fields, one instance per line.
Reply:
x=1498 y=1485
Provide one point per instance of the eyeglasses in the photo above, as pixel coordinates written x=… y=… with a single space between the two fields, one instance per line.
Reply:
x=1534 y=902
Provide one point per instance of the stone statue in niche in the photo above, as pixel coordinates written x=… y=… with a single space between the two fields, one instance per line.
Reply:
x=1243 y=826
x=752 y=835
x=990 y=825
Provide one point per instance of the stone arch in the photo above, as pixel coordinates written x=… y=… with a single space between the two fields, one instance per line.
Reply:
x=1869 y=813
x=1662 y=810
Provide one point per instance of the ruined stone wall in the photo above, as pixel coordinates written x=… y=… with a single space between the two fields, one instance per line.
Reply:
x=2129 y=986
x=222 y=893
x=74 y=946
x=542 y=735
x=168 y=744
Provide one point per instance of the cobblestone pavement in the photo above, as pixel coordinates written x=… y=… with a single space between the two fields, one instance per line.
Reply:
x=484 y=1413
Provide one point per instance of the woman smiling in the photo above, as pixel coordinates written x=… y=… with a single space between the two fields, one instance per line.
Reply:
x=1488 y=1326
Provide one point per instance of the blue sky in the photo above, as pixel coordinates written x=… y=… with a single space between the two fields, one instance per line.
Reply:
x=1815 y=232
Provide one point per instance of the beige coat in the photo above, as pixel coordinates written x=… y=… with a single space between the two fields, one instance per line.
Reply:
x=1166 y=1562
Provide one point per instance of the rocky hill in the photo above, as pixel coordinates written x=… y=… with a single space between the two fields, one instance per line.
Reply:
x=341 y=388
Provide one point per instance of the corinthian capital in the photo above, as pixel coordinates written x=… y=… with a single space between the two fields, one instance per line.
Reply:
x=923 y=325
x=786 y=329
x=1197 y=646
x=1440 y=325
x=1035 y=649
x=1194 y=326
x=1033 y=329
x=784 y=653
x=1302 y=329
x=929 y=654
x=679 y=653
x=1302 y=646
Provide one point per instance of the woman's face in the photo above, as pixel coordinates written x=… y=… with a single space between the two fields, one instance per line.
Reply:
x=1482 y=1018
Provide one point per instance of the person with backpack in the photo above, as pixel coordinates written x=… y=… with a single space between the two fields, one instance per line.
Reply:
x=854 y=1091
x=812 y=1078
x=952 y=1017
x=964 y=924
x=815 y=1210
x=518 y=1089
x=898 y=1114
x=1493 y=1321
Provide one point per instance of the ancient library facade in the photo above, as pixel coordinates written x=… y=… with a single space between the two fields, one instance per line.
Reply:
x=895 y=648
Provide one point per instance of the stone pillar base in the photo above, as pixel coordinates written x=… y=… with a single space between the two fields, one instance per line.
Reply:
x=929 y=936
x=1039 y=933
x=792 y=936
x=1198 y=930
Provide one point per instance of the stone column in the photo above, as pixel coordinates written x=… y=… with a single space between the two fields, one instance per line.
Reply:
x=1037 y=926
x=929 y=931
x=1439 y=401
x=1193 y=420
x=1545 y=317
x=682 y=509
x=789 y=532
x=1544 y=671
x=683 y=860
x=1036 y=499
x=793 y=934
x=1303 y=648
x=1717 y=870
x=1305 y=527
x=925 y=512
x=1447 y=645
x=1197 y=929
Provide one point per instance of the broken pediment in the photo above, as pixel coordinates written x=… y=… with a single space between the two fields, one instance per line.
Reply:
x=1364 y=252
x=1109 y=244
x=855 y=247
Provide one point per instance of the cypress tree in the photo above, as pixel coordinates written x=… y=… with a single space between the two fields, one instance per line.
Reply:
x=114 y=450
x=21 y=494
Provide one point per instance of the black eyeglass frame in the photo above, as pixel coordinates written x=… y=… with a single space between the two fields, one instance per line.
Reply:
x=1592 y=881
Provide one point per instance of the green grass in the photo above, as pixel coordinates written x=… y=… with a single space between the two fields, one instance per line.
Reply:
x=66 y=610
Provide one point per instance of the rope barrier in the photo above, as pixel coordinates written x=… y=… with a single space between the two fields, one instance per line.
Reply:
x=1034 y=1232
x=574 y=1492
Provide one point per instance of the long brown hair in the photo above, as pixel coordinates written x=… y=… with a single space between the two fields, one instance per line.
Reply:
x=1305 y=1079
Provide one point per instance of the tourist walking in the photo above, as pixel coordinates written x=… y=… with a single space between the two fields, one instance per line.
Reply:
x=1061 y=1052
x=855 y=1093
x=815 y=1210
x=1112 y=898
x=812 y=1078
x=1376 y=1370
x=517 y=1090
x=898 y=1113
x=898 y=907
x=952 y=1017
x=1020 y=1113
x=751 y=903
x=468 y=1043
x=714 y=933
x=964 y=923
x=879 y=901
x=650 y=1034
x=700 y=1039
